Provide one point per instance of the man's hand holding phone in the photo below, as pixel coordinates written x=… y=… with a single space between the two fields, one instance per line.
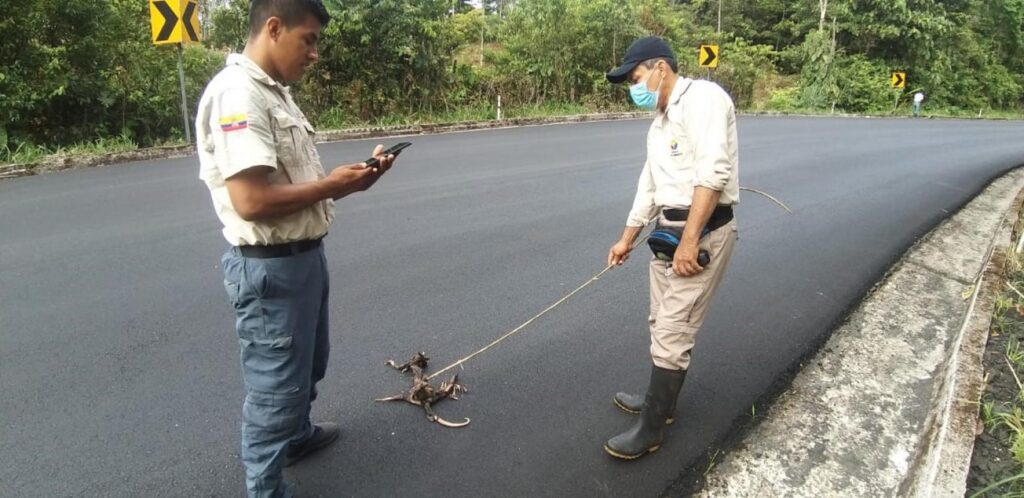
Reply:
x=383 y=159
x=345 y=180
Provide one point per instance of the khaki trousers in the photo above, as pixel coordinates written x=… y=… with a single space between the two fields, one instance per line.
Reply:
x=678 y=304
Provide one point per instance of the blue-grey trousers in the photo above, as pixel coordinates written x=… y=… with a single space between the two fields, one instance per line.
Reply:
x=282 y=323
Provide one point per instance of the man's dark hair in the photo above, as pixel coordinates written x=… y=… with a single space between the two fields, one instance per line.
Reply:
x=291 y=12
x=649 y=64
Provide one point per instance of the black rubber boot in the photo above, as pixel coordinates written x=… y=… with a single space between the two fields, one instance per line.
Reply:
x=633 y=403
x=647 y=434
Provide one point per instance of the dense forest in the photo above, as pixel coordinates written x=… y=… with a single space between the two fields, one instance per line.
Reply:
x=77 y=71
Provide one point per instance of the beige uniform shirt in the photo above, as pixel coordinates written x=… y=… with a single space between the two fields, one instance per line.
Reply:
x=246 y=120
x=693 y=143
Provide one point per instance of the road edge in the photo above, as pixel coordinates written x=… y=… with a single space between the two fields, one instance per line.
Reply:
x=942 y=466
x=866 y=415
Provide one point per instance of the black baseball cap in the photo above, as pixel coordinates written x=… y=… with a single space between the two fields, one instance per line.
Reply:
x=639 y=51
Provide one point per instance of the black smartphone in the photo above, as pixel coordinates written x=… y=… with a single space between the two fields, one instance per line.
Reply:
x=394 y=150
x=703 y=258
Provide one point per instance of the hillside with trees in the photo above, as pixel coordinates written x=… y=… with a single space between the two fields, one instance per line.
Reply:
x=74 y=72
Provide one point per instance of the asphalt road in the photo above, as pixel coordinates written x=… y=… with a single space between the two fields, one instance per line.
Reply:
x=119 y=365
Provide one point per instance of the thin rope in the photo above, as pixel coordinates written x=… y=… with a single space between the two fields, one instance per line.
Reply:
x=754 y=190
x=536 y=317
x=558 y=303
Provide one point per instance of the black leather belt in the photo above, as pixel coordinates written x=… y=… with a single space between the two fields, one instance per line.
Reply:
x=719 y=217
x=279 y=250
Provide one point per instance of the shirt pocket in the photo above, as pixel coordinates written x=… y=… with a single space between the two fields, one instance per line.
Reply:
x=679 y=148
x=679 y=144
x=311 y=152
x=290 y=137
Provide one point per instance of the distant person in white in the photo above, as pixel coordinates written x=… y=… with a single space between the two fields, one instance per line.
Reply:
x=918 y=99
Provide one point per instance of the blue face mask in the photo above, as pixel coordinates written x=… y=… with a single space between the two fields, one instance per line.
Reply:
x=643 y=97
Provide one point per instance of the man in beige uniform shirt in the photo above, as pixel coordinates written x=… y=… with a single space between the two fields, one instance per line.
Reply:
x=689 y=184
x=276 y=203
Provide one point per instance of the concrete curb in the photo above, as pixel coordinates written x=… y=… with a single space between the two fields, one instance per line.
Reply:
x=60 y=163
x=889 y=405
x=944 y=462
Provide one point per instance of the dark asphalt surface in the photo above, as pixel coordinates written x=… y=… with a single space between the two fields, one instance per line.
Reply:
x=119 y=365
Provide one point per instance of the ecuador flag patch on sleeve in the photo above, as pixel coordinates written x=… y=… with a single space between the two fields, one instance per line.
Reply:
x=234 y=123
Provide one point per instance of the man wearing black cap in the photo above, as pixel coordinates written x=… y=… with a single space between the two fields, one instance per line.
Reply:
x=689 y=183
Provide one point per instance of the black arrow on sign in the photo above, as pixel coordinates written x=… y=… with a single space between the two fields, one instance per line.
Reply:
x=899 y=79
x=186 y=19
x=709 y=56
x=170 y=20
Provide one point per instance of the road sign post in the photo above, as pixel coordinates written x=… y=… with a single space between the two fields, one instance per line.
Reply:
x=898 y=80
x=184 y=99
x=176 y=22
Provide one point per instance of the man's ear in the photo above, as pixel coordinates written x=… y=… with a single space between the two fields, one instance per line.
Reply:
x=274 y=27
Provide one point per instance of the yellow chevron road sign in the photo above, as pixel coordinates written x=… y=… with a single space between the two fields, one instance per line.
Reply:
x=174 y=21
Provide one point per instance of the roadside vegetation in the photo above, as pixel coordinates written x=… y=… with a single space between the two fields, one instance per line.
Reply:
x=78 y=77
x=997 y=466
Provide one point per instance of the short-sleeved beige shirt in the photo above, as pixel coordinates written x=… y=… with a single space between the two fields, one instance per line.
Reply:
x=692 y=144
x=247 y=120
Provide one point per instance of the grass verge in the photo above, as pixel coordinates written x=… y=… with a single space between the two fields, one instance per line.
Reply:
x=997 y=464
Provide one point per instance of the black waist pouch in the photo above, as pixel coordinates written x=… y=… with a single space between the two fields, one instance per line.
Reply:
x=664 y=240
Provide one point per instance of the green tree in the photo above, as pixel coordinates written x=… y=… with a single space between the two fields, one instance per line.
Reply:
x=79 y=71
x=229 y=26
x=383 y=56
